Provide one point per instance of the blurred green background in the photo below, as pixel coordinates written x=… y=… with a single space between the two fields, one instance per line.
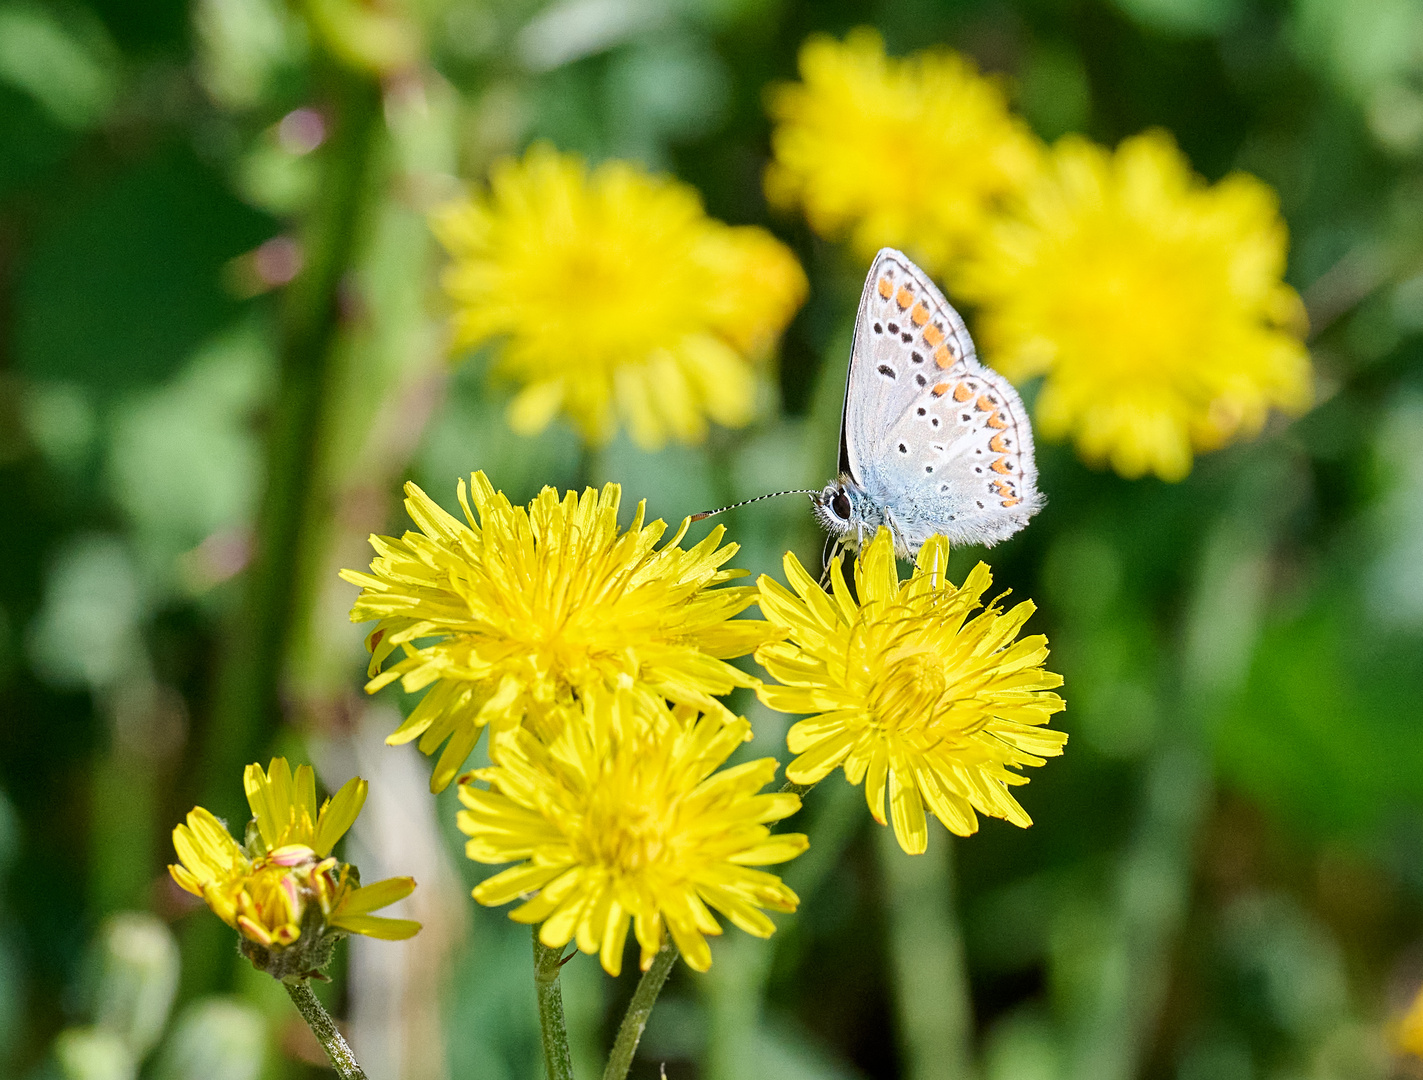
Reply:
x=1225 y=877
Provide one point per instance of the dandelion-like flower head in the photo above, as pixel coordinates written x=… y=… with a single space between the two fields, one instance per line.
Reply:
x=507 y=614
x=913 y=153
x=1151 y=303
x=618 y=300
x=283 y=891
x=622 y=817
x=913 y=693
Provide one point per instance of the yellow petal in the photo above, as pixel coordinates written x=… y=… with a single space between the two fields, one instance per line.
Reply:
x=377 y=926
x=339 y=814
x=377 y=895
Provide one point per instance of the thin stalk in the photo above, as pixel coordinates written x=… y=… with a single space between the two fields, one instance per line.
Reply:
x=639 y=1009
x=733 y=994
x=1153 y=881
x=734 y=990
x=1118 y=1016
x=324 y=1028
x=548 y=963
x=249 y=702
x=1151 y=892
x=932 y=1002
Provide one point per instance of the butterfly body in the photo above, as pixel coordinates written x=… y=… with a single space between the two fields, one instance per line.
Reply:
x=931 y=442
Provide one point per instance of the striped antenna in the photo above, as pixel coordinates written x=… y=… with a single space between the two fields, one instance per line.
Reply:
x=747 y=502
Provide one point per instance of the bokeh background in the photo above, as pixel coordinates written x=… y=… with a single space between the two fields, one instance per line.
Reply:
x=1225 y=876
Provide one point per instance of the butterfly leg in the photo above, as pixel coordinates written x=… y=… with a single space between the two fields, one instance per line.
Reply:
x=901 y=545
x=833 y=550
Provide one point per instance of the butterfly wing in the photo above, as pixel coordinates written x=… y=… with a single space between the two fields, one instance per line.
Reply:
x=938 y=440
x=905 y=334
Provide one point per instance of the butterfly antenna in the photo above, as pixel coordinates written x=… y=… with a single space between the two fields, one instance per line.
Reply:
x=747 y=502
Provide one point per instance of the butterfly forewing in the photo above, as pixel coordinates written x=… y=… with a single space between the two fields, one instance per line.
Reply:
x=906 y=335
x=935 y=438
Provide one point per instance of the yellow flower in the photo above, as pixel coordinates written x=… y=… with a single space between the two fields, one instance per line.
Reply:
x=618 y=300
x=1407 y=1030
x=1151 y=303
x=511 y=614
x=912 y=153
x=283 y=891
x=622 y=816
x=913 y=692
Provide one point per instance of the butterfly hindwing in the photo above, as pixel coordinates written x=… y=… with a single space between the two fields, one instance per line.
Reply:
x=939 y=442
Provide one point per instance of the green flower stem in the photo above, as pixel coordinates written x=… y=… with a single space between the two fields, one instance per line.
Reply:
x=734 y=990
x=324 y=1028
x=1151 y=889
x=1118 y=1013
x=249 y=702
x=639 y=1009
x=548 y=963
x=733 y=996
x=932 y=1002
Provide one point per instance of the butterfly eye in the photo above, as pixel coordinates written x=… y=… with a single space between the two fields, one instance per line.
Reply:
x=841 y=506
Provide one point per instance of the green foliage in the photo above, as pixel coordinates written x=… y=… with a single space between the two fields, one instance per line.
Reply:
x=1228 y=859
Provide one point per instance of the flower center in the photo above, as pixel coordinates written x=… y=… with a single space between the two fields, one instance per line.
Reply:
x=1164 y=282
x=624 y=835
x=910 y=692
x=605 y=300
x=275 y=897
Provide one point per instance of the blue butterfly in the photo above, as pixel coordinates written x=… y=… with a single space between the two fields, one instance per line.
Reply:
x=931 y=441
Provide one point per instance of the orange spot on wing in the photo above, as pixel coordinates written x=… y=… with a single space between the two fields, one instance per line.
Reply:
x=1011 y=502
x=885 y=288
x=920 y=315
x=903 y=298
x=996 y=421
x=1001 y=466
x=1001 y=486
x=962 y=392
x=932 y=336
x=943 y=357
x=984 y=405
x=940 y=389
x=996 y=445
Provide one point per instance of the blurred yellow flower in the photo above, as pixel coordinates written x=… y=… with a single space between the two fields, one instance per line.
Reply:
x=1151 y=303
x=510 y=613
x=1407 y=1030
x=380 y=38
x=622 y=816
x=283 y=892
x=912 y=692
x=912 y=153
x=618 y=301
